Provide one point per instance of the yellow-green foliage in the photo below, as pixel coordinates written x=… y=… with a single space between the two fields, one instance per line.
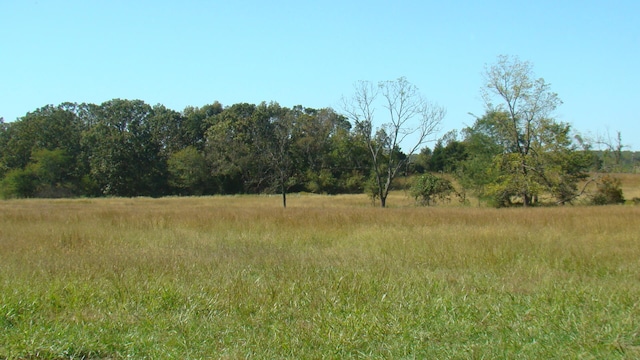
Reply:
x=328 y=277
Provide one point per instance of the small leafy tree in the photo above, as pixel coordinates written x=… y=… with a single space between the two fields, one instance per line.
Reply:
x=608 y=192
x=46 y=175
x=428 y=188
x=18 y=183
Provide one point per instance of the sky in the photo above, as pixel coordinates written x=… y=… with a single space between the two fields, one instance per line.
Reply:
x=311 y=53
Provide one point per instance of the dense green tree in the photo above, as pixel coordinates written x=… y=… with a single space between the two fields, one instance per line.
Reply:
x=189 y=172
x=233 y=144
x=167 y=130
x=18 y=183
x=325 y=149
x=447 y=155
x=348 y=164
x=421 y=160
x=271 y=148
x=482 y=146
x=314 y=130
x=38 y=142
x=555 y=164
x=53 y=170
x=49 y=128
x=437 y=160
x=124 y=158
x=561 y=163
x=48 y=174
x=196 y=121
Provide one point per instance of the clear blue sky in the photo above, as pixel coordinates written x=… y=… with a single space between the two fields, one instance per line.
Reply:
x=189 y=52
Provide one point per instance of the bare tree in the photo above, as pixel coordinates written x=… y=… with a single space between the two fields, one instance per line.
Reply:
x=411 y=122
x=611 y=148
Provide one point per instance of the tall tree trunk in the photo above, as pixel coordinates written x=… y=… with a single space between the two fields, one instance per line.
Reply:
x=284 y=194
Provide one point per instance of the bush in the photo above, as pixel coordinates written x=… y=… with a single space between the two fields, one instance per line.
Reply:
x=18 y=183
x=427 y=188
x=608 y=192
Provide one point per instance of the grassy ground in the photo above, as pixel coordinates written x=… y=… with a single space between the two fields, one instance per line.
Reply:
x=329 y=277
x=630 y=185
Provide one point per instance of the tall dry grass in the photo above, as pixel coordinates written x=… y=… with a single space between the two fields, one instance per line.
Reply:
x=330 y=276
x=630 y=185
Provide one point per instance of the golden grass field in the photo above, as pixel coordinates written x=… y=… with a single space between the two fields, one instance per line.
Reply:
x=630 y=185
x=328 y=277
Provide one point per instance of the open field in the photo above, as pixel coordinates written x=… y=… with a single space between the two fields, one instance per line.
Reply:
x=630 y=185
x=328 y=277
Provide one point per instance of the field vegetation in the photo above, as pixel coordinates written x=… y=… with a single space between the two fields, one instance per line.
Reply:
x=630 y=185
x=327 y=277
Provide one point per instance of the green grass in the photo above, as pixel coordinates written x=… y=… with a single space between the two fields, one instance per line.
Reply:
x=329 y=277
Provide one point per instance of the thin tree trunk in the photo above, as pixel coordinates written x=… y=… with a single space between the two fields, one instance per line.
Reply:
x=526 y=198
x=284 y=195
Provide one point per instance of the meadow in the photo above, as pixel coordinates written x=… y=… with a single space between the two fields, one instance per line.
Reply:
x=329 y=277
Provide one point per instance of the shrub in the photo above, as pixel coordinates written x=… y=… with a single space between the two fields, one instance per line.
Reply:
x=608 y=191
x=18 y=183
x=427 y=188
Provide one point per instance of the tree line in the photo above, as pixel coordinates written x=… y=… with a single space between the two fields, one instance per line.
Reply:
x=515 y=152
x=129 y=148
